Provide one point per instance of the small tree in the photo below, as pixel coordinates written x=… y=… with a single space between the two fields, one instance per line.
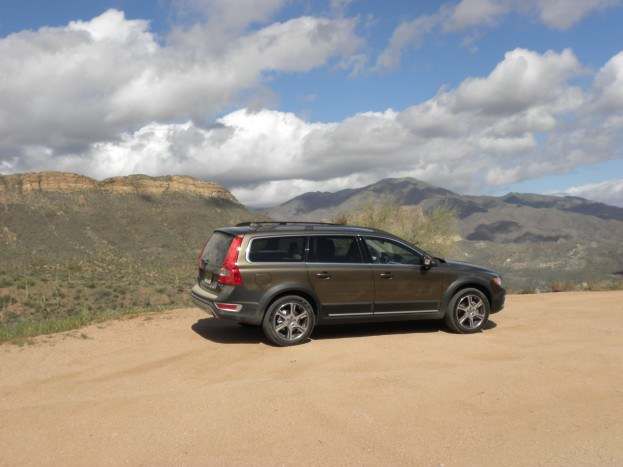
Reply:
x=435 y=230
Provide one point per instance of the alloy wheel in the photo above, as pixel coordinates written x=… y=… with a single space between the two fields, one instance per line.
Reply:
x=291 y=321
x=470 y=311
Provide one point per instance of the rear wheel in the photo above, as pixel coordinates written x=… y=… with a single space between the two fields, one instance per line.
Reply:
x=468 y=311
x=289 y=320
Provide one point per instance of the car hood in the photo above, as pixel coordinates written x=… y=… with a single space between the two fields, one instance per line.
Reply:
x=462 y=266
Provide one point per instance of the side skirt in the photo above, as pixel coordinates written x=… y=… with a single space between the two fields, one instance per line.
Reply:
x=380 y=317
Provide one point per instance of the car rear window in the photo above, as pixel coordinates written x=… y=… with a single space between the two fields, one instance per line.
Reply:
x=216 y=249
x=338 y=249
x=277 y=249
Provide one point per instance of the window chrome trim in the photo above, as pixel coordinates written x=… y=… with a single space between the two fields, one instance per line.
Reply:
x=298 y=234
x=353 y=236
x=307 y=248
x=419 y=253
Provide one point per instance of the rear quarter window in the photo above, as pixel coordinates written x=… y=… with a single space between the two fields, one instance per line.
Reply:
x=277 y=249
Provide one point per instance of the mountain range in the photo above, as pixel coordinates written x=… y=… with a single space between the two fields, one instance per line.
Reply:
x=534 y=240
x=72 y=248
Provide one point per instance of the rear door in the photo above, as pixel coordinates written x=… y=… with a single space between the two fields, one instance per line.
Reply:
x=402 y=286
x=340 y=277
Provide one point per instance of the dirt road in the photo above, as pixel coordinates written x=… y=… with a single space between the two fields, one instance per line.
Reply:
x=544 y=386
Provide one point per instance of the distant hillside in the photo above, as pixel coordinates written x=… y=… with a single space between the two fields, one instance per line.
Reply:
x=534 y=240
x=71 y=245
x=13 y=188
x=73 y=249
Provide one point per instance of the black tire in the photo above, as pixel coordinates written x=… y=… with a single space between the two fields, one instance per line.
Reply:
x=278 y=314
x=456 y=318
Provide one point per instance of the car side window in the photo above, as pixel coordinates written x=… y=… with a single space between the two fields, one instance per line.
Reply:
x=334 y=249
x=277 y=249
x=383 y=251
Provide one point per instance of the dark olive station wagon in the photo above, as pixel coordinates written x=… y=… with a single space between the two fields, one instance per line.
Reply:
x=289 y=276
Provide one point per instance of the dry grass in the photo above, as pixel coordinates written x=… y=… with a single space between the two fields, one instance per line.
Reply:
x=435 y=231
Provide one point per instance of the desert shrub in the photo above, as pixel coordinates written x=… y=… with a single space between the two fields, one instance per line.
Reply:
x=434 y=230
x=560 y=286
x=6 y=300
x=102 y=294
x=524 y=291
x=605 y=285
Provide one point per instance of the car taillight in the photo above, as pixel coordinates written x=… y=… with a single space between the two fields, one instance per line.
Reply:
x=230 y=273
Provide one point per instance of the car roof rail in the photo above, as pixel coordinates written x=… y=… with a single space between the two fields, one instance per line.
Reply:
x=267 y=224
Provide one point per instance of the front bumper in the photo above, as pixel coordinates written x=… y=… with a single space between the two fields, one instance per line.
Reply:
x=497 y=300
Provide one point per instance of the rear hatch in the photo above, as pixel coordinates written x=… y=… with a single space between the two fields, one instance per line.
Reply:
x=211 y=259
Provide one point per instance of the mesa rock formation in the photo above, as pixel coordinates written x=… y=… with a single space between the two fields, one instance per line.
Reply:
x=19 y=185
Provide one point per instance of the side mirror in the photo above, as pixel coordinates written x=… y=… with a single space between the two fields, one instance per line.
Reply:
x=428 y=262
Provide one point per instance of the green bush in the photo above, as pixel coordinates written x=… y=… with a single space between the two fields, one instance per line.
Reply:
x=6 y=300
x=435 y=231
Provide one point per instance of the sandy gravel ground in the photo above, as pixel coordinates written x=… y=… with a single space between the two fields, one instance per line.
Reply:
x=544 y=386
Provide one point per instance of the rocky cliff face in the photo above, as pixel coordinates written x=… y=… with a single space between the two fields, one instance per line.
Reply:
x=16 y=186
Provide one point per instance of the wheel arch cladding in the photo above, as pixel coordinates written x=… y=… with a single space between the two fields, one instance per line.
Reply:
x=280 y=292
x=466 y=283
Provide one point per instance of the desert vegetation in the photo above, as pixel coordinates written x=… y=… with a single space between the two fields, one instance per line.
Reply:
x=435 y=230
x=78 y=257
x=56 y=297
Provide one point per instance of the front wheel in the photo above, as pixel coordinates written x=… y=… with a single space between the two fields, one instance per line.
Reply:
x=289 y=321
x=468 y=311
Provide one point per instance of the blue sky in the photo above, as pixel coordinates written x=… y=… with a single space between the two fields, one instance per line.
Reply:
x=311 y=112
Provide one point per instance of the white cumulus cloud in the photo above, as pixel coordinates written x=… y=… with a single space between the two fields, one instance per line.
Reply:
x=63 y=89
x=609 y=192
x=470 y=15
x=525 y=119
x=107 y=97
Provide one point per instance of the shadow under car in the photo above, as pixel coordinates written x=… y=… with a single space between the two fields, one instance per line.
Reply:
x=228 y=332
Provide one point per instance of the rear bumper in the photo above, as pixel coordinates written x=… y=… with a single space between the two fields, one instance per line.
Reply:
x=206 y=301
x=203 y=300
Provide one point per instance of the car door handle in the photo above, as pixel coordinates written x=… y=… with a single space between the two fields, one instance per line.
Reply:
x=323 y=275
x=386 y=275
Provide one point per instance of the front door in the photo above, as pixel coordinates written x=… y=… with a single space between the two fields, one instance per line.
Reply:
x=402 y=285
x=341 y=279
